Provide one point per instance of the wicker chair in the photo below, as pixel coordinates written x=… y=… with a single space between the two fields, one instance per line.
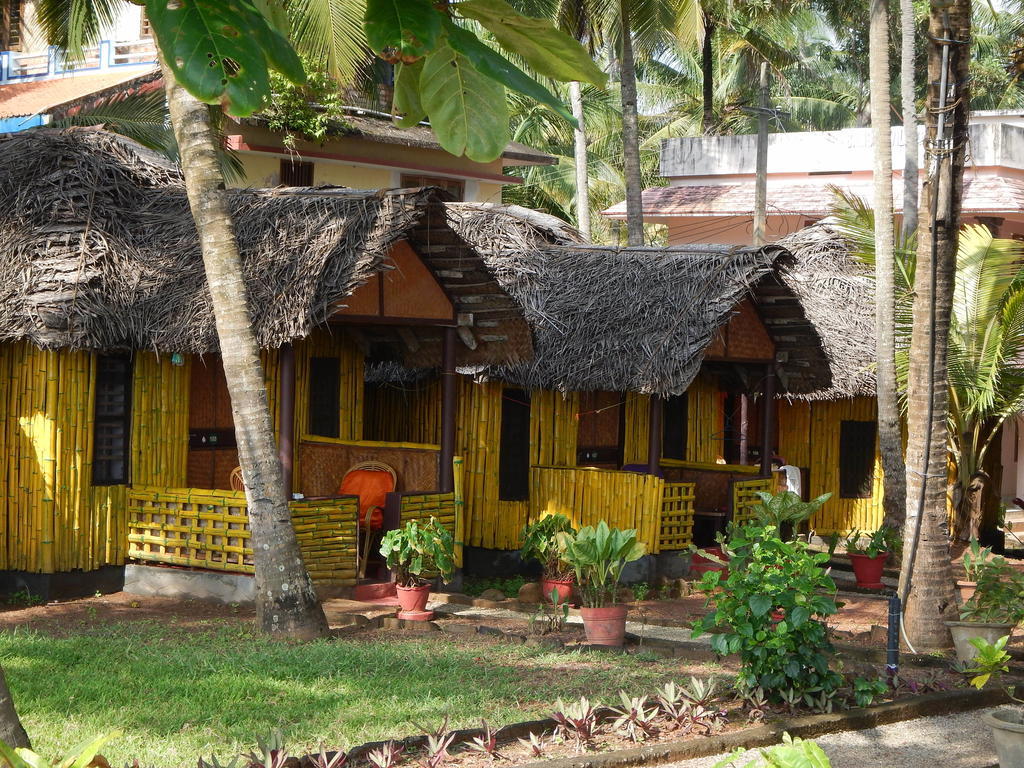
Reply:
x=364 y=520
x=237 y=484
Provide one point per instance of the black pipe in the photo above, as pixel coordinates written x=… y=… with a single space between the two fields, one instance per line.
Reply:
x=446 y=471
x=892 y=651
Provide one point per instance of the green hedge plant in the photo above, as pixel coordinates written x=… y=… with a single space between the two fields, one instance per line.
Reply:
x=597 y=556
x=418 y=550
x=999 y=596
x=771 y=609
x=540 y=543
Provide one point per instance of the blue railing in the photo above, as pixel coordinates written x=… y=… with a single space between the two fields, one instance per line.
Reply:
x=17 y=67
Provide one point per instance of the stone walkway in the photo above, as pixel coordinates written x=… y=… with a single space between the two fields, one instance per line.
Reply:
x=949 y=741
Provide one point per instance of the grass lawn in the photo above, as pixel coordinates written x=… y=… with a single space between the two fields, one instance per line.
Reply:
x=180 y=692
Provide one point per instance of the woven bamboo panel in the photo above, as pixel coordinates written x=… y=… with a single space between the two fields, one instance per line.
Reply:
x=423 y=506
x=210 y=529
x=744 y=497
x=326 y=530
x=324 y=463
x=676 y=530
x=204 y=529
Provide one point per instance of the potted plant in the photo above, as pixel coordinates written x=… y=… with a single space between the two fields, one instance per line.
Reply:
x=974 y=557
x=413 y=552
x=868 y=553
x=785 y=510
x=598 y=556
x=1007 y=723
x=540 y=543
x=995 y=608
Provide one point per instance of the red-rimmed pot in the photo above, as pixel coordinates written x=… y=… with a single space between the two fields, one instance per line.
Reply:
x=605 y=626
x=413 y=599
x=868 y=570
x=699 y=565
x=563 y=586
x=966 y=589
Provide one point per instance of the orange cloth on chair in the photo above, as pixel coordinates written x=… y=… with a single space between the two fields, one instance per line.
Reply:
x=372 y=488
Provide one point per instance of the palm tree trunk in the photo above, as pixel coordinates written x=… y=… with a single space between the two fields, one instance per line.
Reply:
x=12 y=733
x=707 y=68
x=890 y=439
x=630 y=134
x=286 y=603
x=580 y=155
x=909 y=109
x=929 y=594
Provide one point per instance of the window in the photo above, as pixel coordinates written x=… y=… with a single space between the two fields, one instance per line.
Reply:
x=856 y=459
x=602 y=423
x=673 y=427
x=324 y=396
x=145 y=28
x=514 y=460
x=112 y=420
x=455 y=187
x=296 y=173
x=10 y=25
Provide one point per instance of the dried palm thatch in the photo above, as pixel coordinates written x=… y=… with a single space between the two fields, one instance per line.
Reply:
x=101 y=251
x=836 y=291
x=608 y=318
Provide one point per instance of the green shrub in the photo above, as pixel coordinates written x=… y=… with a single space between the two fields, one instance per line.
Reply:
x=999 y=596
x=785 y=508
x=873 y=544
x=540 y=543
x=417 y=550
x=771 y=607
x=475 y=586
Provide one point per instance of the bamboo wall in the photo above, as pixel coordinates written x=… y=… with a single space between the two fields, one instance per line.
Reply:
x=638 y=420
x=809 y=437
x=489 y=522
x=52 y=519
x=705 y=423
x=403 y=413
x=160 y=410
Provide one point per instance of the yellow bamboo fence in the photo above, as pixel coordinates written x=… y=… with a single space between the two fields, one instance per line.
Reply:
x=210 y=529
x=160 y=403
x=744 y=497
x=809 y=437
x=588 y=495
x=676 y=529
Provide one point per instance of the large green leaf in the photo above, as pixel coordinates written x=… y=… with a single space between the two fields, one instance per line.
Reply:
x=494 y=65
x=467 y=109
x=548 y=50
x=402 y=30
x=407 y=94
x=222 y=50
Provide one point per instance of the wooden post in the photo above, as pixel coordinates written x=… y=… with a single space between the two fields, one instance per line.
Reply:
x=768 y=427
x=446 y=471
x=761 y=179
x=286 y=416
x=654 y=435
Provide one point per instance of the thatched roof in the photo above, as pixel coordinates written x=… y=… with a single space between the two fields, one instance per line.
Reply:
x=608 y=318
x=100 y=251
x=836 y=293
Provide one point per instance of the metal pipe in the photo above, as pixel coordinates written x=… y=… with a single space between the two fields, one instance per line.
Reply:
x=446 y=470
x=892 y=651
x=286 y=416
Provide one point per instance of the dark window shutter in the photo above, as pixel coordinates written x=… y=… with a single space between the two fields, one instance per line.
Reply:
x=674 y=422
x=112 y=420
x=514 y=461
x=324 y=396
x=296 y=173
x=856 y=459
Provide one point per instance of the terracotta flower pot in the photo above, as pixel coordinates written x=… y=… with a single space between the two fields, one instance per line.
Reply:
x=564 y=587
x=868 y=570
x=413 y=599
x=966 y=589
x=605 y=626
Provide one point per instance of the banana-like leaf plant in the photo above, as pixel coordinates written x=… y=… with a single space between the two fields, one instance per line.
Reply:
x=598 y=555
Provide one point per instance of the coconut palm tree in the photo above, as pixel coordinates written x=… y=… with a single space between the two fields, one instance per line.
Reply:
x=890 y=437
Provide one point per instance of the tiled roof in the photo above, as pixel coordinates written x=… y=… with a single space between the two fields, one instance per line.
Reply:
x=995 y=194
x=41 y=96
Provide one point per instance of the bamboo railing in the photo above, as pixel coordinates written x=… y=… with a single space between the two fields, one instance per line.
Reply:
x=210 y=529
x=744 y=497
x=676 y=529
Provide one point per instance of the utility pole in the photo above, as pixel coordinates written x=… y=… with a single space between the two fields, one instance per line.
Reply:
x=761 y=184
